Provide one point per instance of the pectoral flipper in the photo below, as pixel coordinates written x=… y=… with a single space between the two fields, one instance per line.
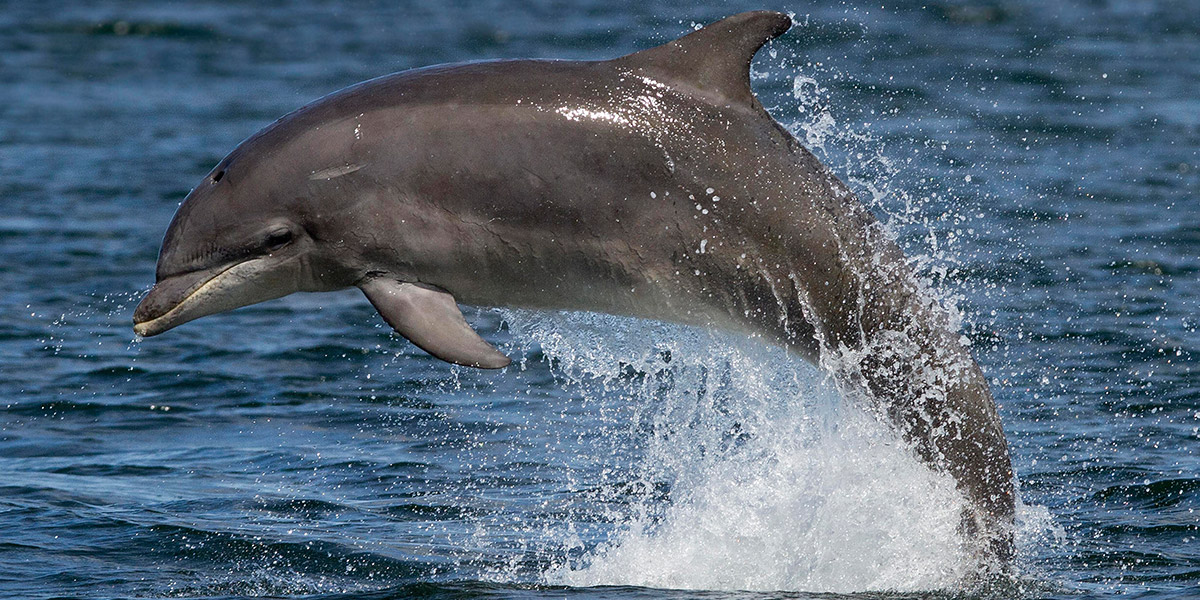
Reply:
x=430 y=318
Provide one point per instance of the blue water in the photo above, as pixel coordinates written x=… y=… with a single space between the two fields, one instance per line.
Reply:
x=1041 y=161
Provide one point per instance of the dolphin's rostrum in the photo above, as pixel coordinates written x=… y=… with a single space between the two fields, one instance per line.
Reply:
x=652 y=185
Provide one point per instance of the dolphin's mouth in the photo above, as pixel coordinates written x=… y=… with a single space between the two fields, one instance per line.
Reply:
x=166 y=305
x=181 y=298
x=188 y=296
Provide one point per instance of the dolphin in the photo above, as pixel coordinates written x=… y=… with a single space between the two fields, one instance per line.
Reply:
x=652 y=185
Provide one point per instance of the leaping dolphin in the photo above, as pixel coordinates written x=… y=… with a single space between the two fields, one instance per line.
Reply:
x=651 y=185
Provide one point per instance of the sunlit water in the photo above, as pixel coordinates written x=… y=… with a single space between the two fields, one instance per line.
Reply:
x=1041 y=164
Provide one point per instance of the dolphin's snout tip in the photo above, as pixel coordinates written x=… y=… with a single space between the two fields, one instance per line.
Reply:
x=139 y=315
x=148 y=326
x=142 y=328
x=147 y=314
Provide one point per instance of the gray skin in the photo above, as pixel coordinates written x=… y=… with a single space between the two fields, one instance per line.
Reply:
x=585 y=186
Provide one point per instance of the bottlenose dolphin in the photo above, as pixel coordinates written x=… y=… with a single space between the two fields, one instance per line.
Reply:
x=652 y=185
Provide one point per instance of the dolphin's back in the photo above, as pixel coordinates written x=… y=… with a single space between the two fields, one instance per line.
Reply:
x=710 y=64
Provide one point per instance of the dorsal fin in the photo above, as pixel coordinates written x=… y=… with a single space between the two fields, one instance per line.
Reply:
x=714 y=60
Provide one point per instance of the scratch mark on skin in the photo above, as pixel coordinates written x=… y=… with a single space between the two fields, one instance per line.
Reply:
x=332 y=172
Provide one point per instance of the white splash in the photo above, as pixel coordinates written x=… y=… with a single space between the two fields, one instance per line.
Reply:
x=775 y=484
x=845 y=511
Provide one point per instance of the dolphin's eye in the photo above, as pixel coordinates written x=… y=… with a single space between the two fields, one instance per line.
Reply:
x=218 y=175
x=278 y=239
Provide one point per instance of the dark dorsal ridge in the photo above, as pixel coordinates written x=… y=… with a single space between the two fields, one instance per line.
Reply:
x=715 y=60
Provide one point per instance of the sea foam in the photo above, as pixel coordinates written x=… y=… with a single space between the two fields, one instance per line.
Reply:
x=774 y=483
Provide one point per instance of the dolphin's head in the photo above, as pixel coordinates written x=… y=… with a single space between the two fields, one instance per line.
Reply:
x=251 y=231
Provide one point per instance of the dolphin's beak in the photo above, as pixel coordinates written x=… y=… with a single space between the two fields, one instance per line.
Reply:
x=178 y=299
x=153 y=314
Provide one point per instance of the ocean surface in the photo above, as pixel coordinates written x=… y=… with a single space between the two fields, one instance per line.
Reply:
x=1040 y=161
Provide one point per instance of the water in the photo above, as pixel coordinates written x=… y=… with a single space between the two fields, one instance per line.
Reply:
x=1041 y=162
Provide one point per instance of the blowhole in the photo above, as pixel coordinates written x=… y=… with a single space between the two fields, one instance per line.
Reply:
x=217 y=176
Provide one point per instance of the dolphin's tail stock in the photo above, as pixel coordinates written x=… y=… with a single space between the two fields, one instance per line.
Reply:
x=917 y=371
